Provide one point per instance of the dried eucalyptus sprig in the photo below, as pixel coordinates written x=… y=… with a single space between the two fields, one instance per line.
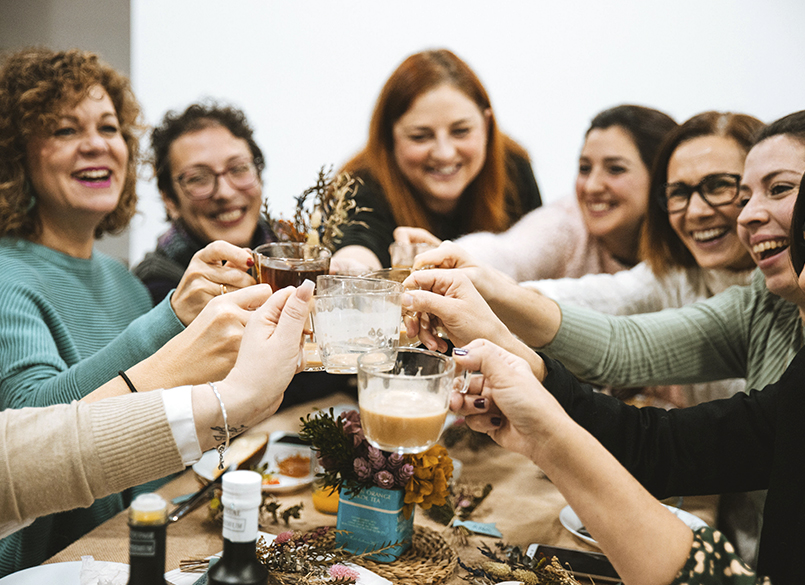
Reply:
x=321 y=211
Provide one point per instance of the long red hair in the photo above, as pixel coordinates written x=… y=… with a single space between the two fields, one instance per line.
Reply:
x=483 y=205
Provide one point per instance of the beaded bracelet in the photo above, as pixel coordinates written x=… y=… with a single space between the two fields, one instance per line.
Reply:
x=225 y=445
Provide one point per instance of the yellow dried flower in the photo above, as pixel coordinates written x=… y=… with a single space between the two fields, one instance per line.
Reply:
x=428 y=487
x=525 y=576
x=500 y=570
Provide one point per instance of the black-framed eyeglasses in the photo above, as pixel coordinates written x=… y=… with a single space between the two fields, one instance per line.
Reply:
x=202 y=182
x=717 y=189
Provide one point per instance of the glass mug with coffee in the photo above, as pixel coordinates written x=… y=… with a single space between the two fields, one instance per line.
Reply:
x=404 y=395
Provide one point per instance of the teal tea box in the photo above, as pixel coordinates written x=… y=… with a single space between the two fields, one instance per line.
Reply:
x=373 y=519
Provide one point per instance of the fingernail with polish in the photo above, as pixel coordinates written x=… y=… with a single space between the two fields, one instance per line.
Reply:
x=249 y=262
x=496 y=420
x=460 y=351
x=480 y=402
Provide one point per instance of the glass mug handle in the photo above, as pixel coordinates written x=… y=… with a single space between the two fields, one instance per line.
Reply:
x=462 y=383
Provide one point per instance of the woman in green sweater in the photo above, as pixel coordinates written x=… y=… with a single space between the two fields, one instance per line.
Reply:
x=71 y=318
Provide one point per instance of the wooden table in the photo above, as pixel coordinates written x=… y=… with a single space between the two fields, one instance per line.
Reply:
x=524 y=504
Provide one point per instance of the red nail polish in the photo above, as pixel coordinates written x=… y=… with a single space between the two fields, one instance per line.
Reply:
x=249 y=262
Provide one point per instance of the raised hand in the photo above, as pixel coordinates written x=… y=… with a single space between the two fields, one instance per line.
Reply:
x=218 y=268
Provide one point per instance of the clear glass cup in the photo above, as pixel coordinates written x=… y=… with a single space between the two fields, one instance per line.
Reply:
x=397 y=275
x=282 y=264
x=404 y=396
x=352 y=315
x=290 y=263
x=402 y=255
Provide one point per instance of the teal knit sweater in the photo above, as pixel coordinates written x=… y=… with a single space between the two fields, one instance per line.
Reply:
x=743 y=332
x=67 y=325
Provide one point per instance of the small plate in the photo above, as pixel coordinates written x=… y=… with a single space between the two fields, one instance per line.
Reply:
x=276 y=452
x=68 y=573
x=573 y=523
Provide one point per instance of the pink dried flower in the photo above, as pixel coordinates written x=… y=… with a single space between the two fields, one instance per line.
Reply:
x=376 y=458
x=403 y=474
x=362 y=468
x=343 y=572
x=384 y=479
x=283 y=537
x=394 y=461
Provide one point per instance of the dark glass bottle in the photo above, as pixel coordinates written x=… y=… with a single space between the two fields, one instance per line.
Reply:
x=148 y=521
x=241 y=501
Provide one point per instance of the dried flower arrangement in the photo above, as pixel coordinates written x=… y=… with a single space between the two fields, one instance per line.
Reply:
x=318 y=219
x=351 y=463
x=512 y=564
x=301 y=558
x=310 y=558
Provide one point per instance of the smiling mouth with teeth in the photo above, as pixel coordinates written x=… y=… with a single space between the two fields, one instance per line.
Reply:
x=229 y=215
x=769 y=248
x=599 y=206
x=709 y=234
x=93 y=175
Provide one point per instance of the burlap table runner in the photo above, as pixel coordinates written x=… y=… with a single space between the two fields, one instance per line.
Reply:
x=524 y=504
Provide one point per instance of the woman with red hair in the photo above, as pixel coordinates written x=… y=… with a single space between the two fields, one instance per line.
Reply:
x=435 y=159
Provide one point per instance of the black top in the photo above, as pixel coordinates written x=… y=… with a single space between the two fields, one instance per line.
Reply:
x=162 y=269
x=378 y=233
x=746 y=442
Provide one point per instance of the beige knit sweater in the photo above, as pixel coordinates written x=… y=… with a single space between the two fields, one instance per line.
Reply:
x=68 y=455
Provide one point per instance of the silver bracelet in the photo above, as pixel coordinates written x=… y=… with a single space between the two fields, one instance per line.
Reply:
x=225 y=445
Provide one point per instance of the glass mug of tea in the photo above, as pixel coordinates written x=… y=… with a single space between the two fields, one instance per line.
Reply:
x=282 y=264
x=404 y=395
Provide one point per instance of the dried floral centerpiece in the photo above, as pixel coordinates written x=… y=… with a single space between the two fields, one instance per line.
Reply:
x=321 y=211
x=369 y=479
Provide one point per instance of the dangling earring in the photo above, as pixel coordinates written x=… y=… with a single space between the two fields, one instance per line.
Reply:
x=26 y=188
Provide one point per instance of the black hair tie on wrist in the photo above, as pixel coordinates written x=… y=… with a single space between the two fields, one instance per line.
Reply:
x=123 y=375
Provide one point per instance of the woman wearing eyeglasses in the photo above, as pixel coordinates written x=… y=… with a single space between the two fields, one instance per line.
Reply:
x=750 y=332
x=208 y=169
x=690 y=240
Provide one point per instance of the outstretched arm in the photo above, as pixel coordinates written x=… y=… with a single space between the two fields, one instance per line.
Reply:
x=646 y=543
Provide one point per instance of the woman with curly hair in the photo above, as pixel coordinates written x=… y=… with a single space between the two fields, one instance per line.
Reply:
x=190 y=149
x=72 y=318
x=435 y=159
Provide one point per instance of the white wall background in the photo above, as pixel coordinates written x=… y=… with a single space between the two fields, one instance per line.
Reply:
x=307 y=73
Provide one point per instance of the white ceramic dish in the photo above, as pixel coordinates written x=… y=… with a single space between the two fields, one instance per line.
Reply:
x=61 y=573
x=206 y=467
x=573 y=523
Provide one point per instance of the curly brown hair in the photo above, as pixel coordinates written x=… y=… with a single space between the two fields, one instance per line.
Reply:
x=35 y=85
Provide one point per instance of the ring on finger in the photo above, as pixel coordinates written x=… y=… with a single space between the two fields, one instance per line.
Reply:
x=223 y=289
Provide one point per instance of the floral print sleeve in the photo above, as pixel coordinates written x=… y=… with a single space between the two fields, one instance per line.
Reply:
x=713 y=561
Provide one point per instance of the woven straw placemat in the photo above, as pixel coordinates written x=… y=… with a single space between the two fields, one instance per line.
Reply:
x=429 y=561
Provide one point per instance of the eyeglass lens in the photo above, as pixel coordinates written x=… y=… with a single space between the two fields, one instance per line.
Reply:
x=717 y=189
x=202 y=182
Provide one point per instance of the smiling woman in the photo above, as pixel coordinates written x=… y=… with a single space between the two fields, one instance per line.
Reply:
x=598 y=231
x=71 y=317
x=208 y=168
x=435 y=159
